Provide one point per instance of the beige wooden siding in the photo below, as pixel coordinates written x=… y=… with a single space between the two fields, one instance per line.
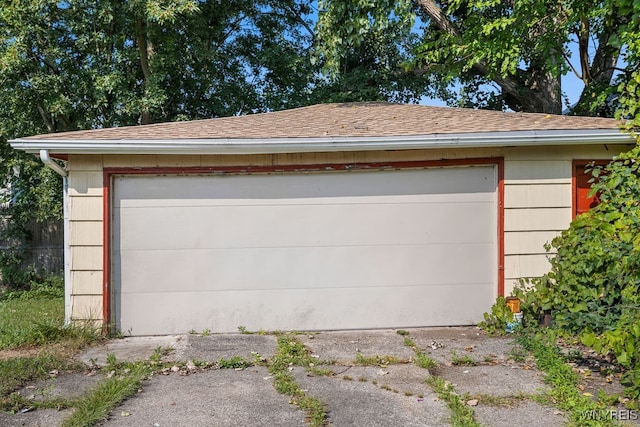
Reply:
x=537 y=179
x=538 y=193
x=86 y=236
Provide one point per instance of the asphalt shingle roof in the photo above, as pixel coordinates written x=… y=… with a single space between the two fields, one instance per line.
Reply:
x=370 y=119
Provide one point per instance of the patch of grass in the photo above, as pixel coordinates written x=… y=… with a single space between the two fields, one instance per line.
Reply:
x=291 y=352
x=320 y=372
x=461 y=360
x=18 y=371
x=461 y=413
x=424 y=361
x=243 y=330
x=421 y=359
x=518 y=354
x=32 y=331
x=236 y=362
x=377 y=360
x=563 y=381
x=501 y=401
x=347 y=378
x=125 y=381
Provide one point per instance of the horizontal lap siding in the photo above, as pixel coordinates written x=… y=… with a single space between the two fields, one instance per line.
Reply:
x=538 y=193
x=86 y=236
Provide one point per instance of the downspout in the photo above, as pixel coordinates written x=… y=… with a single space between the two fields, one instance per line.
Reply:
x=49 y=162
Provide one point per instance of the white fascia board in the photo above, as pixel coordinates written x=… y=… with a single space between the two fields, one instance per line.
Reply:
x=325 y=144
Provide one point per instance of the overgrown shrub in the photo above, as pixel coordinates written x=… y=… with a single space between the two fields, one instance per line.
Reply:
x=593 y=287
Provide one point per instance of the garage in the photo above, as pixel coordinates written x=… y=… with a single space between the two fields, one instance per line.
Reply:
x=340 y=247
x=330 y=216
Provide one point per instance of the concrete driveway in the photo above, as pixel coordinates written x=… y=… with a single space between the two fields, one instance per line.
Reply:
x=478 y=367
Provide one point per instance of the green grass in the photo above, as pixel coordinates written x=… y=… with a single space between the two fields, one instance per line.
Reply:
x=291 y=352
x=96 y=404
x=30 y=321
x=363 y=360
x=461 y=360
x=34 y=339
x=461 y=413
x=564 y=392
x=421 y=359
x=18 y=371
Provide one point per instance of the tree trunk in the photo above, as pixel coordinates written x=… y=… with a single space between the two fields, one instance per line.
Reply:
x=146 y=50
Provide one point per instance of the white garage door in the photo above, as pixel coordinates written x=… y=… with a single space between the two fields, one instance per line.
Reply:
x=304 y=251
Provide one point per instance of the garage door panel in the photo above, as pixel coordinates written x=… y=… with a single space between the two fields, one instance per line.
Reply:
x=317 y=187
x=269 y=226
x=308 y=309
x=329 y=267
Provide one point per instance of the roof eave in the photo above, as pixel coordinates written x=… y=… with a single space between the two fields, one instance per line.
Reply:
x=322 y=144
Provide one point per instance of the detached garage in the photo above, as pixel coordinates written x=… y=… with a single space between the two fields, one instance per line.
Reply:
x=336 y=216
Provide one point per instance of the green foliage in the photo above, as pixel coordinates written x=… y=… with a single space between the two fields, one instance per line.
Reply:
x=424 y=361
x=484 y=54
x=91 y=64
x=464 y=360
x=124 y=381
x=593 y=287
x=563 y=380
x=236 y=362
x=376 y=360
x=15 y=372
x=291 y=352
x=495 y=323
x=38 y=319
x=461 y=413
x=49 y=286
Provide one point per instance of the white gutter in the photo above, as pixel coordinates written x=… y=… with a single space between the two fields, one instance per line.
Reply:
x=48 y=161
x=44 y=156
x=322 y=144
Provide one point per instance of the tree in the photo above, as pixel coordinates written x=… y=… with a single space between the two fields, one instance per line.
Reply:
x=68 y=65
x=499 y=54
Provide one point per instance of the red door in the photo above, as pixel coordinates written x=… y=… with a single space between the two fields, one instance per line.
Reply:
x=581 y=186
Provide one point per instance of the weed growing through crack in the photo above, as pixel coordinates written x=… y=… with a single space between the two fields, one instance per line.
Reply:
x=362 y=379
x=421 y=359
x=347 y=378
x=291 y=352
x=502 y=401
x=243 y=330
x=518 y=354
x=377 y=360
x=563 y=380
x=320 y=372
x=461 y=413
x=461 y=360
x=123 y=380
x=424 y=361
x=402 y=332
x=236 y=362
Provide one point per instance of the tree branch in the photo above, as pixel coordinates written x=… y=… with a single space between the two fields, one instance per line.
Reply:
x=517 y=98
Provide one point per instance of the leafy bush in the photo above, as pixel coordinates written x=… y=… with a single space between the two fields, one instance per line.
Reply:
x=48 y=286
x=593 y=287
